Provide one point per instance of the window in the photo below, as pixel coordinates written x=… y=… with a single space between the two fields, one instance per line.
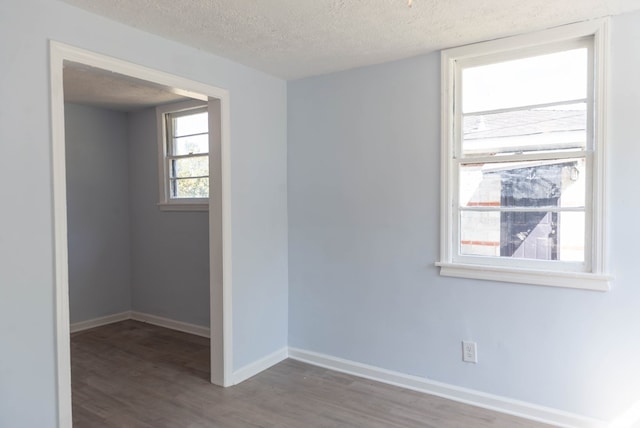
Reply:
x=184 y=156
x=523 y=159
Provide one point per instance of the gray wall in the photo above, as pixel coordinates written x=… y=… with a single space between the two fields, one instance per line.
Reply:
x=170 y=250
x=364 y=192
x=97 y=212
x=124 y=253
x=258 y=187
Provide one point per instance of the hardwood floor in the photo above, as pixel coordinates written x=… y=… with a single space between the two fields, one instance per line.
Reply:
x=132 y=374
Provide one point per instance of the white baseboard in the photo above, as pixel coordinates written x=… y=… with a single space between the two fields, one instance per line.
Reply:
x=171 y=324
x=464 y=395
x=140 y=316
x=98 y=322
x=256 y=367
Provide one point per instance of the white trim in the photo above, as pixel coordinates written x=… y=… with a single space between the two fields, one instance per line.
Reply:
x=260 y=365
x=600 y=195
x=463 y=395
x=227 y=264
x=180 y=106
x=183 y=206
x=100 y=321
x=184 y=327
x=61 y=256
x=220 y=249
x=581 y=280
x=530 y=40
x=220 y=288
x=593 y=273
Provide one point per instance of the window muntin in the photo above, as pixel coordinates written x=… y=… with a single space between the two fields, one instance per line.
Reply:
x=523 y=159
x=187 y=154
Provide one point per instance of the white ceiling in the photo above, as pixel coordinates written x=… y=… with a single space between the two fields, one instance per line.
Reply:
x=101 y=88
x=298 y=38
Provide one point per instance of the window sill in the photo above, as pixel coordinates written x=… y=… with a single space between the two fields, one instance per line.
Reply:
x=184 y=206
x=579 y=280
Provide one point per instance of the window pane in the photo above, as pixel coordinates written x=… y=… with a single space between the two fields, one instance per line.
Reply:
x=194 y=144
x=190 y=124
x=524 y=235
x=546 y=183
x=190 y=188
x=559 y=127
x=542 y=79
x=190 y=167
x=571 y=236
x=480 y=233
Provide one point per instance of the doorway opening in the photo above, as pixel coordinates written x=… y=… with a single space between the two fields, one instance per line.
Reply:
x=219 y=210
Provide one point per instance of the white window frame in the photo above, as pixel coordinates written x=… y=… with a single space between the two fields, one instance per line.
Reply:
x=166 y=203
x=592 y=274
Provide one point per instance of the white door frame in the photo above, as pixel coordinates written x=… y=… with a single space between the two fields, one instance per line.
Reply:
x=219 y=252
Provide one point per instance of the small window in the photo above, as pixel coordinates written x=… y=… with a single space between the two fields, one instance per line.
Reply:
x=184 y=156
x=523 y=149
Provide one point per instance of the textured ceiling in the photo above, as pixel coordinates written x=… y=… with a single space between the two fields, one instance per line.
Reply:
x=299 y=38
x=101 y=88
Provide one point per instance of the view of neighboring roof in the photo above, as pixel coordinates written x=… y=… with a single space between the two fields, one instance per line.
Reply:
x=531 y=129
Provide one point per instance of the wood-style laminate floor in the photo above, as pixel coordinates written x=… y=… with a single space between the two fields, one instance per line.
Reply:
x=132 y=374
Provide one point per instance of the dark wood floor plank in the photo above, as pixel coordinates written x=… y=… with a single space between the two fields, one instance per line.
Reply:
x=135 y=375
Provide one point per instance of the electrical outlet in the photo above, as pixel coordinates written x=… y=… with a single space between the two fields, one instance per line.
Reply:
x=469 y=352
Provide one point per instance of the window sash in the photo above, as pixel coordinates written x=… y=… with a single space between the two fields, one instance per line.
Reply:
x=587 y=42
x=558 y=265
x=460 y=158
x=170 y=162
x=178 y=114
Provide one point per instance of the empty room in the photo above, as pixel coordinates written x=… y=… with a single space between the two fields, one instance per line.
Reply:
x=396 y=213
x=129 y=253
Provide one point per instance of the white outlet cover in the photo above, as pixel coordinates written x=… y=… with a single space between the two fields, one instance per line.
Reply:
x=469 y=351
